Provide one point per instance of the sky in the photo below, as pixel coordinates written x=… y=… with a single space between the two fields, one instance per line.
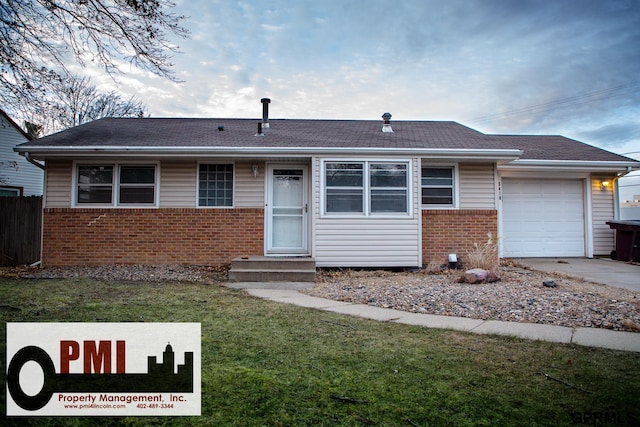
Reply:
x=569 y=67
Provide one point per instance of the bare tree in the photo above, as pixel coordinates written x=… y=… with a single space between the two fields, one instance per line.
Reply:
x=38 y=38
x=75 y=101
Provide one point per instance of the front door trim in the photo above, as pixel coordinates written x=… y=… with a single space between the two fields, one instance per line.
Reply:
x=301 y=207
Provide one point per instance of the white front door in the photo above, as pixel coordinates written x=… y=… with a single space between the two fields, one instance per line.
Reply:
x=287 y=209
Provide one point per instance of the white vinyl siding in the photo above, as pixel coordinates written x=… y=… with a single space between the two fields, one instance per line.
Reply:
x=477 y=186
x=15 y=170
x=368 y=241
x=249 y=191
x=601 y=212
x=58 y=184
x=178 y=184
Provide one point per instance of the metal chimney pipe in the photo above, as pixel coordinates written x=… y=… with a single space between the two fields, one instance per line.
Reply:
x=265 y=112
x=386 y=126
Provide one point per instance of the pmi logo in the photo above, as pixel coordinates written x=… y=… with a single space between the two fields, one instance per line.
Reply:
x=96 y=370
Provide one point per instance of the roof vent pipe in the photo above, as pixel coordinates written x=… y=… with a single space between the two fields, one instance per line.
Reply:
x=386 y=127
x=260 y=133
x=265 y=112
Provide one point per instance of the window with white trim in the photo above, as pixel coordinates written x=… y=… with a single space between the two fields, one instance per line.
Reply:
x=389 y=187
x=137 y=184
x=344 y=187
x=215 y=185
x=10 y=191
x=366 y=187
x=115 y=184
x=438 y=186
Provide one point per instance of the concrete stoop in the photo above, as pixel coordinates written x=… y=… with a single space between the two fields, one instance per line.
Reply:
x=272 y=269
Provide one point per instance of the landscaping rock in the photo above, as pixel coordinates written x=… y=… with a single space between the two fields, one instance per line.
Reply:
x=492 y=277
x=549 y=283
x=519 y=297
x=479 y=275
x=475 y=275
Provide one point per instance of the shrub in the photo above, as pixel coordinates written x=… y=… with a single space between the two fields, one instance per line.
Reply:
x=483 y=256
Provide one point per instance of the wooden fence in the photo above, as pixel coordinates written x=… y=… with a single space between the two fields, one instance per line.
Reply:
x=20 y=228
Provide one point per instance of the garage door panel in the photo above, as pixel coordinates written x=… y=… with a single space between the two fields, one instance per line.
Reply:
x=542 y=218
x=553 y=212
x=531 y=206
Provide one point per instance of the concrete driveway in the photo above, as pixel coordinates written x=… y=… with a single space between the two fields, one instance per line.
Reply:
x=597 y=270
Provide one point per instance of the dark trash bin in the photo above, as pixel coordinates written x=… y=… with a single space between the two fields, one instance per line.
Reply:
x=627 y=240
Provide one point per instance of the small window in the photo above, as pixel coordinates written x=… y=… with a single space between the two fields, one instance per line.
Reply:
x=95 y=184
x=389 y=187
x=438 y=186
x=215 y=183
x=10 y=191
x=344 y=186
x=137 y=184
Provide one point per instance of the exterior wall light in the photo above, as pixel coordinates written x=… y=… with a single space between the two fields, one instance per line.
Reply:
x=604 y=184
x=453 y=261
x=254 y=170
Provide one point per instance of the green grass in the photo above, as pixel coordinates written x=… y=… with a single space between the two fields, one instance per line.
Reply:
x=271 y=364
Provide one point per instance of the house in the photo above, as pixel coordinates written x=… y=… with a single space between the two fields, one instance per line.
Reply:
x=630 y=209
x=18 y=177
x=356 y=193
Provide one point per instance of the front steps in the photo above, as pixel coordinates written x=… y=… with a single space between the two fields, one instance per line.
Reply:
x=272 y=269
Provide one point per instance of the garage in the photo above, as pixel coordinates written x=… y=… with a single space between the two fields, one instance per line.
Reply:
x=543 y=217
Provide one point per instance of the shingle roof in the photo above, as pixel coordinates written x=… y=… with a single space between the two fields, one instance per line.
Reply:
x=357 y=134
x=555 y=147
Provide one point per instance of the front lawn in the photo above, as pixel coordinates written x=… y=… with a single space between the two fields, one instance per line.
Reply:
x=271 y=364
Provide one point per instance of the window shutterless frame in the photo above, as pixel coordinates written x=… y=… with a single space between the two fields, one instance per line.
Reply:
x=367 y=187
x=344 y=184
x=388 y=188
x=439 y=185
x=115 y=184
x=136 y=184
x=10 y=191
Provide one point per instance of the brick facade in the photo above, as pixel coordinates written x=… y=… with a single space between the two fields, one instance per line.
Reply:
x=455 y=231
x=88 y=236
x=83 y=236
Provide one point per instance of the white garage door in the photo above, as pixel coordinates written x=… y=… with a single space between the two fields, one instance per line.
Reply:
x=542 y=217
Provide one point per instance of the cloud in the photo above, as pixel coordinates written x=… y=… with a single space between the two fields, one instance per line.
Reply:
x=613 y=135
x=556 y=67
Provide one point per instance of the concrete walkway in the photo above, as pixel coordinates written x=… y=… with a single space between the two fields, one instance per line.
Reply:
x=592 y=337
x=597 y=270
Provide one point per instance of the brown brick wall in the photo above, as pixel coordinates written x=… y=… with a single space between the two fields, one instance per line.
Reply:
x=150 y=236
x=455 y=231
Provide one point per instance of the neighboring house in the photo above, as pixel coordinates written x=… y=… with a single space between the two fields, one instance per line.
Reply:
x=348 y=193
x=630 y=209
x=18 y=177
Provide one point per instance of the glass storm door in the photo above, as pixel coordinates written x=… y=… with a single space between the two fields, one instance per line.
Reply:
x=287 y=210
